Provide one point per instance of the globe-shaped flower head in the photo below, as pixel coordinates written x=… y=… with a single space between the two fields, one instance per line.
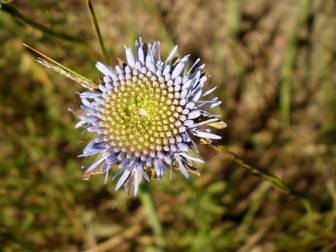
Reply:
x=146 y=115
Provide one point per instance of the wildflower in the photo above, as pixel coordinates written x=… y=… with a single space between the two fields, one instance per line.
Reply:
x=146 y=115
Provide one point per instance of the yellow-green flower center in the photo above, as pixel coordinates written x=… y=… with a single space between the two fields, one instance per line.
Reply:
x=142 y=115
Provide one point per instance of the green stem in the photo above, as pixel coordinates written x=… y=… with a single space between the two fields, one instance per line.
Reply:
x=234 y=17
x=24 y=20
x=288 y=63
x=278 y=183
x=97 y=30
x=146 y=198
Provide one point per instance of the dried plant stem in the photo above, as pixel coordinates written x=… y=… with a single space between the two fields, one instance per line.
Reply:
x=278 y=183
x=146 y=198
x=95 y=25
x=60 y=68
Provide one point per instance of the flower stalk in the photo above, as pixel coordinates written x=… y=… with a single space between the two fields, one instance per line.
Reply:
x=95 y=25
x=275 y=181
x=147 y=201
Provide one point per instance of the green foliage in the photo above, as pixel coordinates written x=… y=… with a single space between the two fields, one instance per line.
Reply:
x=44 y=204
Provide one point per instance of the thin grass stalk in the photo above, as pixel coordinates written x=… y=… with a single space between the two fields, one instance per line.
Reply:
x=58 y=67
x=275 y=181
x=95 y=25
x=234 y=17
x=288 y=64
x=147 y=201
x=12 y=11
x=145 y=194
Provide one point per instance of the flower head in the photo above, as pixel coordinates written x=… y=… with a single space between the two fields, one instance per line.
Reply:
x=146 y=115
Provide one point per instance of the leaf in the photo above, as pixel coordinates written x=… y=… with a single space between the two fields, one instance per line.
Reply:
x=218 y=125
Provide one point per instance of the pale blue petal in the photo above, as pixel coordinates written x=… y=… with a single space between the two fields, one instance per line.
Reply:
x=190 y=105
x=129 y=57
x=189 y=123
x=197 y=95
x=150 y=64
x=194 y=114
x=122 y=179
x=145 y=175
x=104 y=69
x=124 y=163
x=178 y=80
x=166 y=70
x=193 y=65
x=209 y=91
x=184 y=93
x=89 y=95
x=119 y=70
x=118 y=173
x=192 y=158
x=207 y=135
x=206 y=122
x=183 y=147
x=181 y=167
x=179 y=67
x=79 y=124
x=107 y=171
x=94 y=165
x=171 y=54
x=136 y=183
x=159 y=167
x=92 y=148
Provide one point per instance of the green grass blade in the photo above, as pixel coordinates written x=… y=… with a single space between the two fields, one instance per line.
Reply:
x=288 y=64
x=154 y=221
x=46 y=30
x=94 y=21
x=234 y=17
x=275 y=181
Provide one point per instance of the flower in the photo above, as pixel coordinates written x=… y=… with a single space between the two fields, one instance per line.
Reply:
x=146 y=115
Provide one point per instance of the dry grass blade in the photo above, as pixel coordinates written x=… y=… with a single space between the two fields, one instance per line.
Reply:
x=58 y=67
x=115 y=241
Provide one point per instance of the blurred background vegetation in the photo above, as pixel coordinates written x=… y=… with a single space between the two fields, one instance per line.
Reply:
x=275 y=64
